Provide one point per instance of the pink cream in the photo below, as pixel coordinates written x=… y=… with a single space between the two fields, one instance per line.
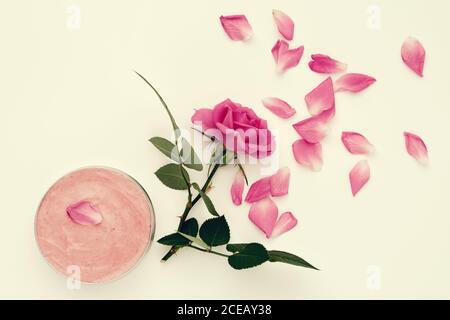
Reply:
x=103 y=251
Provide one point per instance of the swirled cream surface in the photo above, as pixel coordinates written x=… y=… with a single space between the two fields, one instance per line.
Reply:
x=97 y=221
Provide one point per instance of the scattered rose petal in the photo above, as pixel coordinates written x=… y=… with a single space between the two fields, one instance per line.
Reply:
x=308 y=154
x=327 y=115
x=324 y=64
x=279 y=107
x=413 y=54
x=286 y=222
x=237 y=27
x=284 y=57
x=359 y=176
x=356 y=143
x=279 y=182
x=284 y=24
x=237 y=188
x=84 y=213
x=258 y=190
x=416 y=148
x=353 y=82
x=264 y=214
x=321 y=98
x=312 y=129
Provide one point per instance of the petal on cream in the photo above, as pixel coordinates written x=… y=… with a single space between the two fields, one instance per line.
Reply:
x=258 y=190
x=285 y=222
x=353 y=82
x=203 y=117
x=84 y=213
x=284 y=24
x=321 y=63
x=321 y=98
x=356 y=143
x=237 y=188
x=416 y=147
x=264 y=214
x=237 y=27
x=284 y=57
x=359 y=176
x=313 y=129
x=278 y=107
x=279 y=182
x=413 y=55
x=308 y=154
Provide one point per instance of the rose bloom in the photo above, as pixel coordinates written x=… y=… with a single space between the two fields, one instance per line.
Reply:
x=238 y=127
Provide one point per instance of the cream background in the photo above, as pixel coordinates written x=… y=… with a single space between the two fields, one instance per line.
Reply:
x=69 y=99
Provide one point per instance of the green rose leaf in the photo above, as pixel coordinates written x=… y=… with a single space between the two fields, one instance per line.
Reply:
x=206 y=200
x=171 y=175
x=236 y=247
x=190 y=228
x=251 y=255
x=190 y=158
x=215 y=231
x=285 y=257
x=166 y=147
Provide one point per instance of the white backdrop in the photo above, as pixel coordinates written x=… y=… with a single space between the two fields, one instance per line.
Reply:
x=69 y=99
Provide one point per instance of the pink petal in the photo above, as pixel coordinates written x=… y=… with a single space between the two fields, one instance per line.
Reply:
x=285 y=222
x=264 y=214
x=413 y=54
x=308 y=154
x=258 y=190
x=237 y=188
x=327 y=115
x=203 y=117
x=279 y=107
x=237 y=27
x=321 y=98
x=416 y=148
x=284 y=24
x=324 y=64
x=312 y=129
x=84 y=213
x=359 y=176
x=353 y=82
x=356 y=143
x=284 y=57
x=279 y=182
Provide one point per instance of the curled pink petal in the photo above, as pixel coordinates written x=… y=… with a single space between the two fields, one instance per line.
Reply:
x=284 y=24
x=308 y=154
x=313 y=129
x=284 y=57
x=353 y=82
x=279 y=182
x=264 y=214
x=413 y=54
x=204 y=118
x=258 y=190
x=356 y=143
x=416 y=148
x=324 y=64
x=321 y=98
x=84 y=213
x=359 y=176
x=285 y=222
x=237 y=188
x=237 y=27
x=279 y=107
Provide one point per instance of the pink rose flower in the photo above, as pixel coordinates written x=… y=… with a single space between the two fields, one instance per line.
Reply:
x=238 y=127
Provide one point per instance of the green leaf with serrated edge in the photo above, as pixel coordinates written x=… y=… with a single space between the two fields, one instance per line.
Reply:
x=171 y=175
x=215 y=231
x=195 y=240
x=166 y=147
x=189 y=157
x=236 y=247
x=175 y=127
x=251 y=256
x=285 y=257
x=189 y=227
x=206 y=200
